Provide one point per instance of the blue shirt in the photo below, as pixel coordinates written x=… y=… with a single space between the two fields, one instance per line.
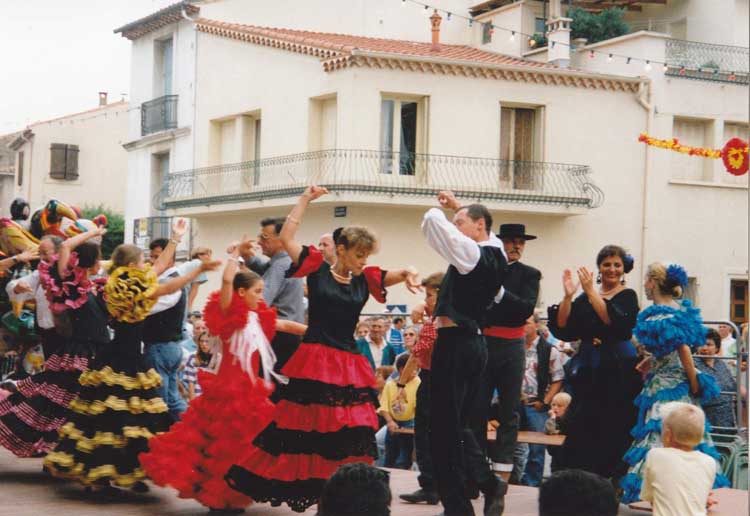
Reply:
x=286 y=294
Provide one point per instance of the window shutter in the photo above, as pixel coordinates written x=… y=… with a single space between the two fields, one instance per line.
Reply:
x=506 y=122
x=71 y=162
x=523 y=177
x=58 y=161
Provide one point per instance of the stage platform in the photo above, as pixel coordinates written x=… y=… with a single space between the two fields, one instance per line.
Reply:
x=26 y=491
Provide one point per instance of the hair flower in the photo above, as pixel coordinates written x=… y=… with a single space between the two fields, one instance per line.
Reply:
x=677 y=274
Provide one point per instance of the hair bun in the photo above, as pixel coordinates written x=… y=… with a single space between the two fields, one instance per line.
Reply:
x=628 y=263
x=337 y=234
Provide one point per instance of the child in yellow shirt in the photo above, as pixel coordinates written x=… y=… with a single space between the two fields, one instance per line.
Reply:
x=398 y=412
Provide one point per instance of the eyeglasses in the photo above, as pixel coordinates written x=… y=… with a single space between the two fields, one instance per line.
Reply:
x=263 y=236
x=410 y=334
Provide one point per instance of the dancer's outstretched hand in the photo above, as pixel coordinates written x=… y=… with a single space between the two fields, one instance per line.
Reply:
x=412 y=282
x=570 y=286
x=179 y=228
x=447 y=199
x=314 y=192
x=586 y=278
x=210 y=265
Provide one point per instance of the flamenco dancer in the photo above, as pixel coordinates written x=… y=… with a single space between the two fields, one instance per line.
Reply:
x=196 y=453
x=325 y=414
x=117 y=410
x=668 y=329
x=30 y=418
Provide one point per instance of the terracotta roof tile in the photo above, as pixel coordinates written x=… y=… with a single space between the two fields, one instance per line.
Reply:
x=157 y=20
x=345 y=44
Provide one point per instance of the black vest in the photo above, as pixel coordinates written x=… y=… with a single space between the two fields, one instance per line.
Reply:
x=521 y=292
x=166 y=326
x=464 y=298
x=543 y=352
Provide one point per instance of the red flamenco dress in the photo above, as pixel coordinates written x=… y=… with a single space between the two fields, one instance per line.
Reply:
x=196 y=453
x=325 y=415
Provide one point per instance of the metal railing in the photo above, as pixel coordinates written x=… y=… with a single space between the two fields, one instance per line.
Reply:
x=383 y=173
x=707 y=61
x=159 y=114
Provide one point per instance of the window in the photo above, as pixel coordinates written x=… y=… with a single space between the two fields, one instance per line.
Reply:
x=322 y=123
x=540 y=26
x=487 y=32
x=738 y=301
x=401 y=135
x=20 y=168
x=695 y=133
x=159 y=176
x=519 y=147
x=63 y=163
x=741 y=131
x=163 y=67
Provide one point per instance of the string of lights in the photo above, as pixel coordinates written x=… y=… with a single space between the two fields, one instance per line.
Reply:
x=491 y=27
x=75 y=119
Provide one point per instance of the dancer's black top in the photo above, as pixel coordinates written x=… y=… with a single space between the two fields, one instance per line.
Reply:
x=519 y=299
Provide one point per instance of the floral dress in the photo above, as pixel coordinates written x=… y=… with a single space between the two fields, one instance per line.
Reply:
x=663 y=330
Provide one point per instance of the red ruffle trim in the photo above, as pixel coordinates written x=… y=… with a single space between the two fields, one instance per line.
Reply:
x=224 y=324
x=329 y=365
x=322 y=418
x=197 y=452
x=67 y=292
x=66 y=363
x=309 y=261
x=289 y=468
x=375 y=277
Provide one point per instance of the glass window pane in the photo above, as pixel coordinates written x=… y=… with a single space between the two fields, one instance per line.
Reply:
x=539 y=26
x=386 y=136
x=408 y=143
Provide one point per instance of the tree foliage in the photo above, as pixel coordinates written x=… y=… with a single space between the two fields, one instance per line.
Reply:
x=115 y=227
x=597 y=27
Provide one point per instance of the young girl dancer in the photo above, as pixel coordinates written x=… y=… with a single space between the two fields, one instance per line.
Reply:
x=234 y=407
x=117 y=410
x=325 y=414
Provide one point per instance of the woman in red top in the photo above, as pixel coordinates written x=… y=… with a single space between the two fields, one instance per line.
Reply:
x=420 y=358
x=325 y=414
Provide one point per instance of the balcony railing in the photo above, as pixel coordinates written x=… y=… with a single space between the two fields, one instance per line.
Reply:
x=378 y=173
x=159 y=114
x=707 y=61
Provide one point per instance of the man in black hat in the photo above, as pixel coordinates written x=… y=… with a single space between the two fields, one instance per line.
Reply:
x=504 y=335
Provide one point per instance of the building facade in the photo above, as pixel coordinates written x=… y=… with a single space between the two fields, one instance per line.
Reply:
x=386 y=107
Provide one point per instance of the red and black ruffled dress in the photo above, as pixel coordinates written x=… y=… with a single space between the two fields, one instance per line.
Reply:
x=325 y=415
x=31 y=417
x=196 y=453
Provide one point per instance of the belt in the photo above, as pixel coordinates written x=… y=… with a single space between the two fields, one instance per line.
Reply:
x=504 y=332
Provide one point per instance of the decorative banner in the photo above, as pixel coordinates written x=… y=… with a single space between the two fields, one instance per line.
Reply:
x=734 y=154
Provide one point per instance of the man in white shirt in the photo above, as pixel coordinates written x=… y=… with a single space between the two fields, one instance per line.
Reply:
x=728 y=342
x=477 y=268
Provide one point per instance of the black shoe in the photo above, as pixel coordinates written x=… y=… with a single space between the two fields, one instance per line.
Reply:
x=139 y=487
x=421 y=496
x=494 y=503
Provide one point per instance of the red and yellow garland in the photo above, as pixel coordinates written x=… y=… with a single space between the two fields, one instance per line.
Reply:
x=734 y=154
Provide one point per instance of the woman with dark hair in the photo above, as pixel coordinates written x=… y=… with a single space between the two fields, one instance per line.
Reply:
x=670 y=330
x=603 y=378
x=325 y=415
x=720 y=411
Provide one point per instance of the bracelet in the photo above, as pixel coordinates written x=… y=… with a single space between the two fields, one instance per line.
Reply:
x=292 y=219
x=400 y=385
x=175 y=241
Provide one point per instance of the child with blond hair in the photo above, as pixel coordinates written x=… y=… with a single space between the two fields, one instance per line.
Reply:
x=559 y=404
x=677 y=479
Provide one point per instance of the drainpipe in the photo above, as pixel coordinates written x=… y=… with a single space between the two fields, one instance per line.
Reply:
x=195 y=84
x=644 y=98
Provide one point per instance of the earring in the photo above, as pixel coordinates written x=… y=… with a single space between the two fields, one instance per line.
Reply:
x=622 y=280
x=599 y=278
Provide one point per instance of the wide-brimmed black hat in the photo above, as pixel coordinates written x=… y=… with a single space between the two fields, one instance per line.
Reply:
x=514 y=231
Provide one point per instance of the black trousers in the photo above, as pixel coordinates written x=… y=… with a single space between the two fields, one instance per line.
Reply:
x=457 y=364
x=506 y=359
x=422 y=433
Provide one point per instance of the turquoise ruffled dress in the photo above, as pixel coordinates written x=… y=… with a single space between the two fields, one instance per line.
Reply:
x=662 y=330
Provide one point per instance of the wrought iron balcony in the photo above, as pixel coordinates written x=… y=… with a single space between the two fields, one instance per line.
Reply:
x=159 y=114
x=707 y=61
x=378 y=173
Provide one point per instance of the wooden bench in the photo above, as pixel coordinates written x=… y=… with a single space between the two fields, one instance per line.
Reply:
x=523 y=437
x=732 y=502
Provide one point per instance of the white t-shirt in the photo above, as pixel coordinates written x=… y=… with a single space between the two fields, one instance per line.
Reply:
x=677 y=482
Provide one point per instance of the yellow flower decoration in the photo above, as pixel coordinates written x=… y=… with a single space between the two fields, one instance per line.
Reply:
x=128 y=293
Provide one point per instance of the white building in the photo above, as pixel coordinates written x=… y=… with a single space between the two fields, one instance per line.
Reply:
x=76 y=158
x=354 y=95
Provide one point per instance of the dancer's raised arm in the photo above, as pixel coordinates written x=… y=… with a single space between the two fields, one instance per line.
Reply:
x=227 y=279
x=71 y=243
x=179 y=228
x=294 y=219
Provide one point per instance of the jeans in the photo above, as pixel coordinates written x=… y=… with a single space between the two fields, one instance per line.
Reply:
x=422 y=433
x=534 y=421
x=399 y=447
x=459 y=464
x=165 y=358
x=380 y=437
x=506 y=359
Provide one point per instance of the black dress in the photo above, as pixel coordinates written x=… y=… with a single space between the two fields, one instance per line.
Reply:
x=325 y=416
x=604 y=384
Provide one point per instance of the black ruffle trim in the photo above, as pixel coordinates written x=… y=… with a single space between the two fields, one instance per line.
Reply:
x=355 y=441
x=298 y=495
x=311 y=392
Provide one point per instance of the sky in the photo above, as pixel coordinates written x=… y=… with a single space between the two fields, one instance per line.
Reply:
x=57 y=55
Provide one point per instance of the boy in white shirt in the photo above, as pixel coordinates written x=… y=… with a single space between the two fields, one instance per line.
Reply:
x=677 y=480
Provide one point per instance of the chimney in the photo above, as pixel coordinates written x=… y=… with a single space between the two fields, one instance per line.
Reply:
x=435 y=20
x=102 y=98
x=558 y=36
